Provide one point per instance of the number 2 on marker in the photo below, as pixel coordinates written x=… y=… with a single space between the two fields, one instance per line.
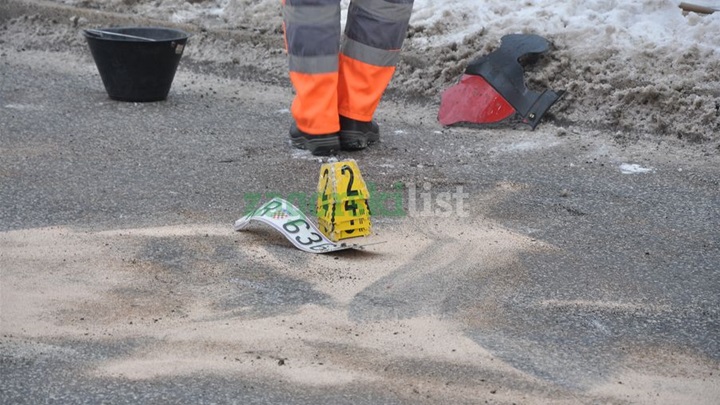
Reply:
x=325 y=205
x=349 y=192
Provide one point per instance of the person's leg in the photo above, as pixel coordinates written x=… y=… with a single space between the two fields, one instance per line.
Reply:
x=374 y=34
x=312 y=36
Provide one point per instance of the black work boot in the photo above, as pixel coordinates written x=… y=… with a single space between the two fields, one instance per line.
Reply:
x=356 y=134
x=318 y=145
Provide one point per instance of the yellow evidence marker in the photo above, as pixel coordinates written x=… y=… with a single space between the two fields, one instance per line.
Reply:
x=342 y=203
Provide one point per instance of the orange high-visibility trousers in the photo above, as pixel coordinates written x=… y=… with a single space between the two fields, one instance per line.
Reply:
x=333 y=78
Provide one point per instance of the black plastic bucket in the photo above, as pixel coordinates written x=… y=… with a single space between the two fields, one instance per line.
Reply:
x=137 y=63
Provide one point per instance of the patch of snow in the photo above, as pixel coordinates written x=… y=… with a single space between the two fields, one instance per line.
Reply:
x=627 y=168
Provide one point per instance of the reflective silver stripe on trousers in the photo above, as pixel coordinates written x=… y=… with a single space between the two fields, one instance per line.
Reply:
x=311 y=15
x=384 y=10
x=314 y=64
x=370 y=55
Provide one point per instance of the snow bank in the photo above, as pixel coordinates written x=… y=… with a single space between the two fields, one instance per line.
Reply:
x=640 y=67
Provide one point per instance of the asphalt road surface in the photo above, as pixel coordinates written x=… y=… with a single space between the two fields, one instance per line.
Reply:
x=577 y=270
